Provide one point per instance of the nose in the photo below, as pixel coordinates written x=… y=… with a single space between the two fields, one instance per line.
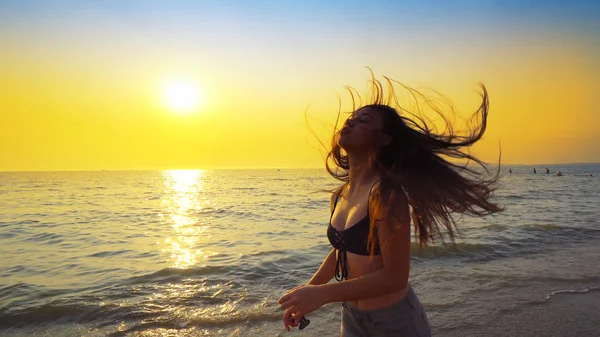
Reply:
x=349 y=122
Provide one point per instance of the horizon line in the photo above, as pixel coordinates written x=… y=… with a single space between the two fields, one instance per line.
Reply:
x=252 y=168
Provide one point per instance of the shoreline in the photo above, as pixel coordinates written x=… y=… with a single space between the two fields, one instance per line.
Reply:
x=564 y=314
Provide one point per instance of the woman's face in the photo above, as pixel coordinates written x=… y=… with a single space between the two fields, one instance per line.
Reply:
x=362 y=131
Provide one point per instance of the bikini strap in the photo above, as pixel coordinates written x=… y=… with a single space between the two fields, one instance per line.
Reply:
x=335 y=202
x=340 y=192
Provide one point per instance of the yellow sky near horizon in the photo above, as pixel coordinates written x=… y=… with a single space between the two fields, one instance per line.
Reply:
x=90 y=99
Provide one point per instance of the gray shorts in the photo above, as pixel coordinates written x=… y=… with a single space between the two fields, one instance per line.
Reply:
x=404 y=318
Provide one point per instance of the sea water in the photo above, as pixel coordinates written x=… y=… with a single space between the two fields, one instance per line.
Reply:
x=209 y=252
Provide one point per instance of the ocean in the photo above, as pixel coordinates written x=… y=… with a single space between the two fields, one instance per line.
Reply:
x=209 y=252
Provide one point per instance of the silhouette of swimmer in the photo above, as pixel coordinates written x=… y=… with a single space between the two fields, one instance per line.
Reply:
x=559 y=174
x=509 y=170
x=547 y=171
x=534 y=171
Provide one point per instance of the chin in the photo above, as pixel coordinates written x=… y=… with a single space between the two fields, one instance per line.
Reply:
x=344 y=142
x=348 y=145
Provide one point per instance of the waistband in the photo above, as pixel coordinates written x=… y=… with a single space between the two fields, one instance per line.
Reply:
x=410 y=302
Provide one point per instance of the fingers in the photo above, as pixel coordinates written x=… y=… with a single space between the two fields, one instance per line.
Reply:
x=287 y=317
x=284 y=298
x=295 y=320
x=288 y=304
x=292 y=317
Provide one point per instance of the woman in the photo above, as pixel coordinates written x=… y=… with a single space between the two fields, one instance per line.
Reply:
x=394 y=168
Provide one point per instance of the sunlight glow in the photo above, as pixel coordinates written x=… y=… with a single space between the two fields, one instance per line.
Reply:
x=181 y=96
x=181 y=202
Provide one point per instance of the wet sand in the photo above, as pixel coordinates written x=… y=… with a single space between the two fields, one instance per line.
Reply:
x=563 y=315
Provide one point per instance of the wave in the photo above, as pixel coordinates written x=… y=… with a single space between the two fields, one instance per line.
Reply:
x=512 y=197
x=225 y=319
x=508 y=241
x=449 y=249
x=265 y=212
x=39 y=314
x=544 y=226
x=497 y=227
x=148 y=313
x=72 y=312
x=26 y=222
x=17 y=289
x=240 y=215
x=168 y=274
x=108 y=253
x=552 y=279
x=312 y=204
x=504 y=240
x=570 y=291
x=44 y=237
x=552 y=233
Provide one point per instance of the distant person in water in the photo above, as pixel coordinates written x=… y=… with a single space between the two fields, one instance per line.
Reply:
x=393 y=170
x=547 y=171
x=559 y=174
x=509 y=170
x=534 y=171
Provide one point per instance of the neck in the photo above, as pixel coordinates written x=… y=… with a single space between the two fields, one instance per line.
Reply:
x=360 y=172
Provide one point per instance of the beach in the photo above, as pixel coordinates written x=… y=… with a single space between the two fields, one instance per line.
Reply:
x=209 y=252
x=564 y=315
x=573 y=311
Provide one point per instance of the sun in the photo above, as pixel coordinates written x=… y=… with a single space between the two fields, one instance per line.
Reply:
x=181 y=96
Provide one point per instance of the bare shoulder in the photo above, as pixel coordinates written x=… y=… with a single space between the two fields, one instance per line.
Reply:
x=397 y=200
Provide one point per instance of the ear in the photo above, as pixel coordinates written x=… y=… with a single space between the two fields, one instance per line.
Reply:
x=386 y=140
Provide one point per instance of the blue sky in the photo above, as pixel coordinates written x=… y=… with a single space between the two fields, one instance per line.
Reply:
x=257 y=59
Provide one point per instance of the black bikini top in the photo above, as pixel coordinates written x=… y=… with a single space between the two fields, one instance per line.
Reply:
x=353 y=239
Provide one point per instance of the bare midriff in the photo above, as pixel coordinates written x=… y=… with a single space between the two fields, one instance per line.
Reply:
x=360 y=265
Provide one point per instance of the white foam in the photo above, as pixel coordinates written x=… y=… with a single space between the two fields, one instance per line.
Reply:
x=569 y=291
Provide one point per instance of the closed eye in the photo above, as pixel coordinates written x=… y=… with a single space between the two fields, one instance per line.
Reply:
x=363 y=119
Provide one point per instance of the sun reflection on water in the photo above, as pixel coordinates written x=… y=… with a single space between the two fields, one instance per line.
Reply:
x=181 y=203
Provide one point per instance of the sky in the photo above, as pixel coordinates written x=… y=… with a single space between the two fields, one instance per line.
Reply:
x=82 y=83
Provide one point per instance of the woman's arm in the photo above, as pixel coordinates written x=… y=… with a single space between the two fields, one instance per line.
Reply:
x=391 y=278
x=394 y=242
x=326 y=271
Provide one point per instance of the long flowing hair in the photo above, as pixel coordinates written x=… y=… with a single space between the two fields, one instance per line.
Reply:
x=429 y=167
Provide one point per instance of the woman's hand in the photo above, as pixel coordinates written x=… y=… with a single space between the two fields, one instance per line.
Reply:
x=299 y=302
x=292 y=320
